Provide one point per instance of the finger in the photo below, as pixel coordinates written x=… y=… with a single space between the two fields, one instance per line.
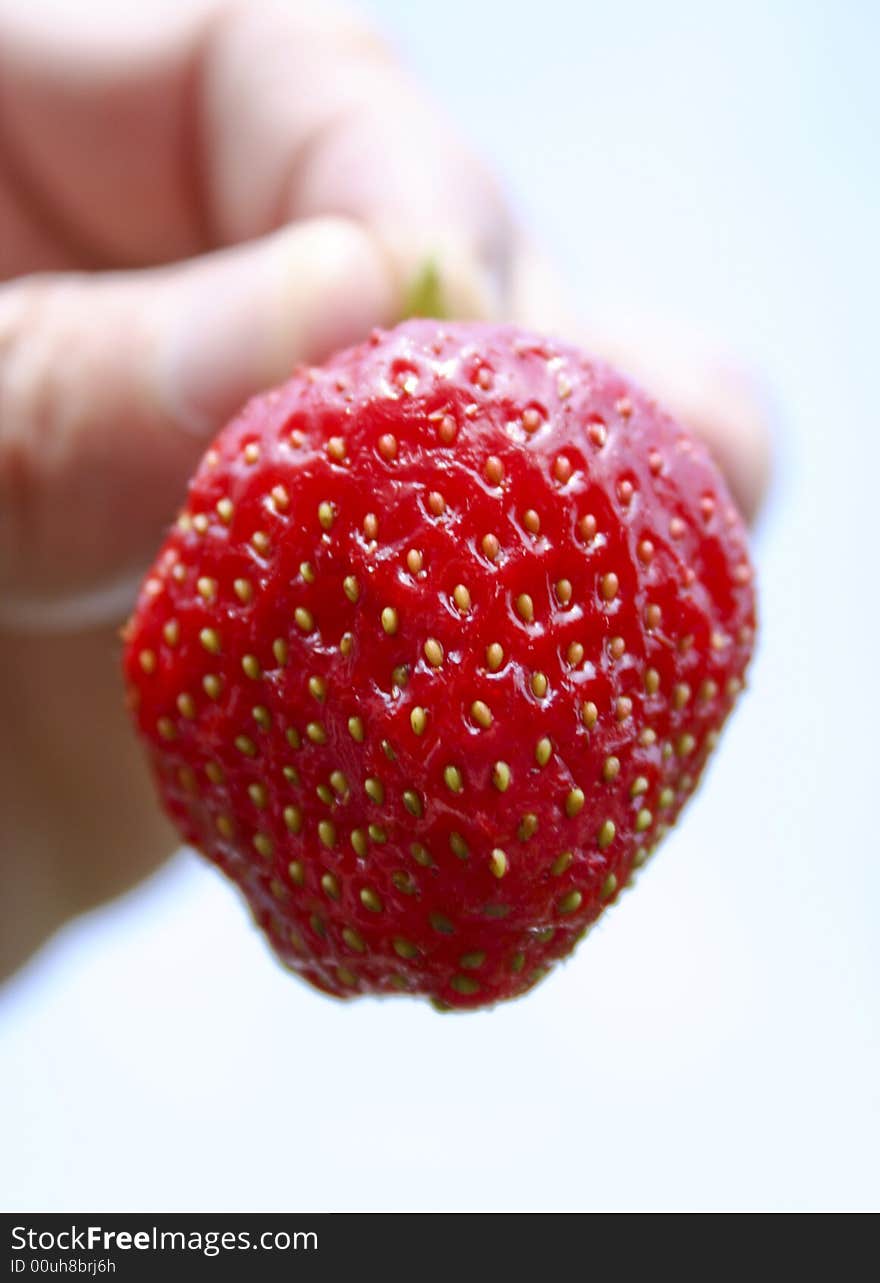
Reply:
x=244 y=116
x=715 y=396
x=110 y=384
x=98 y=133
x=357 y=137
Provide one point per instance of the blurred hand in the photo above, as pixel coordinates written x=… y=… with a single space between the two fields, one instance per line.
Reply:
x=194 y=198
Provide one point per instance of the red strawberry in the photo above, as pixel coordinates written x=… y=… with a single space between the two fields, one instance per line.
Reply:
x=436 y=652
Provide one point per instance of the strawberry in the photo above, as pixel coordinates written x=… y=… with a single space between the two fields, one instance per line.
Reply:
x=436 y=652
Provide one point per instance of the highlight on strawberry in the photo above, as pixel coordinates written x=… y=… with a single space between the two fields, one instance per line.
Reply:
x=437 y=651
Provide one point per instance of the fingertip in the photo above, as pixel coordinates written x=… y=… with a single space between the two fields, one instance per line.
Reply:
x=723 y=402
x=737 y=416
x=110 y=384
x=717 y=396
x=242 y=319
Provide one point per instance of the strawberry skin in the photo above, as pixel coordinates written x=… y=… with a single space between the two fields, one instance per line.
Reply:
x=436 y=652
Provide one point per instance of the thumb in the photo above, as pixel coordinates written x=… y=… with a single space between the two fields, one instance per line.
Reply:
x=110 y=385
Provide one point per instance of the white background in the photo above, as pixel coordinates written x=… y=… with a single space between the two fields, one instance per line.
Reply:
x=716 y=1042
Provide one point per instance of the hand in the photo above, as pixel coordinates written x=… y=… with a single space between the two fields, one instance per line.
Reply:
x=194 y=198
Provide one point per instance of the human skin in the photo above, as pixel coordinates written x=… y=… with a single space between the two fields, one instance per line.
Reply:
x=194 y=198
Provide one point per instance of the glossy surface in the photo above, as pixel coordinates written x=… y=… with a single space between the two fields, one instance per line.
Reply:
x=436 y=653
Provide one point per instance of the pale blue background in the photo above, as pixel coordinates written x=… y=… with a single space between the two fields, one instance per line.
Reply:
x=716 y=1042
